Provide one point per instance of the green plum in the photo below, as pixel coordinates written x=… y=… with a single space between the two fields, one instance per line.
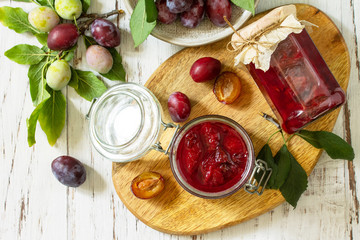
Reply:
x=43 y=18
x=58 y=75
x=99 y=59
x=68 y=9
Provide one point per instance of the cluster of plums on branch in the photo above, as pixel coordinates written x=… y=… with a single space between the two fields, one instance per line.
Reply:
x=64 y=36
x=191 y=12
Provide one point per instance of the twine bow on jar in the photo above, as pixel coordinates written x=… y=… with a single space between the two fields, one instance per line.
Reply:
x=257 y=41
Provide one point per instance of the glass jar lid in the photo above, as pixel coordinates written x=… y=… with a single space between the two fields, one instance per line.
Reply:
x=125 y=122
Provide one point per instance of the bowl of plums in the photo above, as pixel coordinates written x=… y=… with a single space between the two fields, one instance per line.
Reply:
x=193 y=23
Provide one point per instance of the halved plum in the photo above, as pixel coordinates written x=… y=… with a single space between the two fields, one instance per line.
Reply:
x=227 y=87
x=147 y=185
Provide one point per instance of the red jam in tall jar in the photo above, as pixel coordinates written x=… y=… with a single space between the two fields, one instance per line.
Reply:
x=212 y=156
x=299 y=86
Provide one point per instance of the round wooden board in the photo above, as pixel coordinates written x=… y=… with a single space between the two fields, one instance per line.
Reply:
x=178 y=212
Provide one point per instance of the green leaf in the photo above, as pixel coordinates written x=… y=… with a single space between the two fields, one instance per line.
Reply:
x=88 y=85
x=245 y=4
x=25 y=54
x=266 y=155
x=117 y=72
x=16 y=19
x=69 y=54
x=85 y=5
x=48 y=3
x=334 y=145
x=42 y=38
x=140 y=28
x=52 y=116
x=31 y=122
x=282 y=159
x=296 y=182
x=151 y=11
x=74 y=81
x=37 y=82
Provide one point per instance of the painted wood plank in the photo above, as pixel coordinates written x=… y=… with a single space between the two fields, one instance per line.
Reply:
x=326 y=211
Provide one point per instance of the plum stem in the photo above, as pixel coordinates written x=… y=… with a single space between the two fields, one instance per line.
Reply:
x=104 y=15
x=93 y=16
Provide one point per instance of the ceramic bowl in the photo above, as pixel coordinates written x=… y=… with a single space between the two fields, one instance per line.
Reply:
x=203 y=34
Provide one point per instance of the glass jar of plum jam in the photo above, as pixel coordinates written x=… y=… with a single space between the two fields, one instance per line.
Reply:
x=212 y=157
x=299 y=86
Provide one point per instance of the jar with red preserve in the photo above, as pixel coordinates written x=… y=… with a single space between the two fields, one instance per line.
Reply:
x=212 y=157
x=294 y=78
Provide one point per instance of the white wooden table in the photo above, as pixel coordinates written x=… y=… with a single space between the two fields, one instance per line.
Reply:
x=33 y=205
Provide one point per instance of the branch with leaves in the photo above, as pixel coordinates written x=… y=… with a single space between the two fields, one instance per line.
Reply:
x=287 y=174
x=50 y=104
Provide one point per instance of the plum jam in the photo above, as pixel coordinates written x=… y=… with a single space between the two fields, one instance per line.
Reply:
x=299 y=86
x=212 y=154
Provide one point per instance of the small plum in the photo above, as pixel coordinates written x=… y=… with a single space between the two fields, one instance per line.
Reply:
x=43 y=18
x=179 y=107
x=68 y=9
x=164 y=14
x=105 y=33
x=99 y=59
x=69 y=171
x=63 y=37
x=205 y=69
x=178 y=6
x=58 y=74
x=216 y=10
x=192 y=17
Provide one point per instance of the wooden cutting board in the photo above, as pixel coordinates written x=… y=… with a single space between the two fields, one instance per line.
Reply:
x=178 y=212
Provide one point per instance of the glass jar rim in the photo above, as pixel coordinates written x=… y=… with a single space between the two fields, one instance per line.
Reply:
x=102 y=100
x=250 y=163
x=112 y=151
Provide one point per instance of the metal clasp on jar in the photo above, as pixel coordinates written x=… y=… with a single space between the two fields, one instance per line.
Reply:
x=157 y=146
x=262 y=169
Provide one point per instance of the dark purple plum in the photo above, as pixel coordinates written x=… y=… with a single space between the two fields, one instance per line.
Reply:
x=205 y=69
x=105 y=33
x=164 y=15
x=62 y=37
x=178 y=6
x=216 y=10
x=69 y=171
x=192 y=17
x=179 y=107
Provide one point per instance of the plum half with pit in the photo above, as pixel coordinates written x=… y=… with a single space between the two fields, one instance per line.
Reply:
x=147 y=185
x=227 y=87
x=179 y=107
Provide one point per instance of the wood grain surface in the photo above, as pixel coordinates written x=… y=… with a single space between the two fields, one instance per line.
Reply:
x=34 y=205
x=178 y=212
